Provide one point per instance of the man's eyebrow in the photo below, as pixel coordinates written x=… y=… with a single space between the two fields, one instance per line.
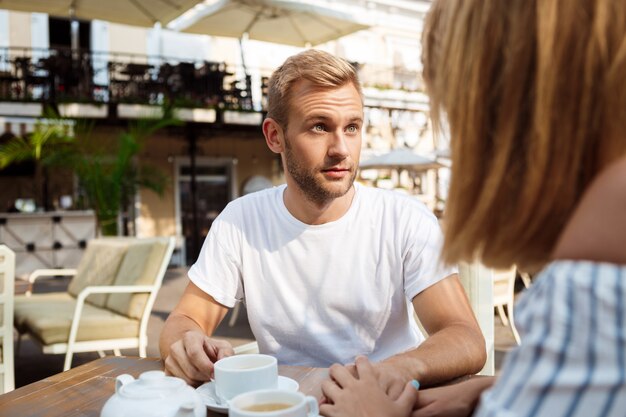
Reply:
x=356 y=119
x=319 y=117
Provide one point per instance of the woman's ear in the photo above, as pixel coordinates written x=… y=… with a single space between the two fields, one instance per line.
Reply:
x=274 y=136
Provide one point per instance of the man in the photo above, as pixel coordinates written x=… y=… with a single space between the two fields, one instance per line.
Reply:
x=327 y=268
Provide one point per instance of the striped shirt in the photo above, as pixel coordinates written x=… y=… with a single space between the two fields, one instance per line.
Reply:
x=572 y=360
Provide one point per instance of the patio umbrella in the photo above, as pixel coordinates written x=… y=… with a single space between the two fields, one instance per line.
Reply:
x=289 y=22
x=130 y=12
x=401 y=158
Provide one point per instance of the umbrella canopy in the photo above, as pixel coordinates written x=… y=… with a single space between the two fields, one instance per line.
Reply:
x=402 y=158
x=130 y=12
x=289 y=22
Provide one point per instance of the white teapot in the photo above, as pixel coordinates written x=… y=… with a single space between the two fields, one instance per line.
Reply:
x=153 y=394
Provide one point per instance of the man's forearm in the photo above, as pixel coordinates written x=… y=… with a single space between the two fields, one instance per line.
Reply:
x=452 y=352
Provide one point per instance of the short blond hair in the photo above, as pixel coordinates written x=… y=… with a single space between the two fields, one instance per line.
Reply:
x=534 y=92
x=319 y=67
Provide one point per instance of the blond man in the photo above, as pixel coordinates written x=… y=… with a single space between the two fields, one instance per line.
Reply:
x=328 y=269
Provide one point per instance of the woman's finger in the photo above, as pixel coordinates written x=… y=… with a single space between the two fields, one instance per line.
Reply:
x=341 y=375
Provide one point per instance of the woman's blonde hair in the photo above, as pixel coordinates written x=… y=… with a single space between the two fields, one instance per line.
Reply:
x=319 y=67
x=534 y=92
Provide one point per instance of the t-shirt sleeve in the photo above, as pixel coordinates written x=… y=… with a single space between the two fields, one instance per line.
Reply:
x=217 y=271
x=422 y=264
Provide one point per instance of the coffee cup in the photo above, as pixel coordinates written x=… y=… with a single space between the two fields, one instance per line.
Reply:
x=237 y=374
x=273 y=403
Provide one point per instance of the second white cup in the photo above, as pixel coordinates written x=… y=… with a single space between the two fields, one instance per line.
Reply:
x=273 y=403
x=242 y=373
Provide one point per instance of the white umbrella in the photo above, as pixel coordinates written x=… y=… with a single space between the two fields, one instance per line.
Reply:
x=130 y=12
x=401 y=158
x=290 y=22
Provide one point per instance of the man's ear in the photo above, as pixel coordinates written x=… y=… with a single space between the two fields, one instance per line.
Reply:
x=274 y=136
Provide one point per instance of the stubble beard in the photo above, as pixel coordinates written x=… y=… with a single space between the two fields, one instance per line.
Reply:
x=313 y=188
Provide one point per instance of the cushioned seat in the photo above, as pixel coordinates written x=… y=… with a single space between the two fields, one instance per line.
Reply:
x=49 y=319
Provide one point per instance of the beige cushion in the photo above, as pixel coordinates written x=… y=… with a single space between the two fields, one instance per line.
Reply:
x=48 y=317
x=98 y=266
x=140 y=267
x=24 y=305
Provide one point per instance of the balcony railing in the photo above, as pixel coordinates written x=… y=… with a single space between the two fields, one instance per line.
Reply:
x=62 y=75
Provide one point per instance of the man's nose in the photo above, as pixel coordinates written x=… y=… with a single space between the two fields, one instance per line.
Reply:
x=339 y=146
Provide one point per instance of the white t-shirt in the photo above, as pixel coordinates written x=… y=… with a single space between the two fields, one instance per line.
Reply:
x=320 y=294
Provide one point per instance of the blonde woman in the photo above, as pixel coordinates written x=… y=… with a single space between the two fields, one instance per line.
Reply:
x=535 y=95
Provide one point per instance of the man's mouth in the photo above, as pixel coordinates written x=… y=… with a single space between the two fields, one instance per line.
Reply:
x=336 y=172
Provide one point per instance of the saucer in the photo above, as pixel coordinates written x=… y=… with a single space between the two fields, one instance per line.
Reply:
x=207 y=392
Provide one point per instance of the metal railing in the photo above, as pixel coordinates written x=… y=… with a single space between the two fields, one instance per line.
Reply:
x=63 y=75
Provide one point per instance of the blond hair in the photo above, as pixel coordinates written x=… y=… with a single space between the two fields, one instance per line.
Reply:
x=534 y=92
x=320 y=68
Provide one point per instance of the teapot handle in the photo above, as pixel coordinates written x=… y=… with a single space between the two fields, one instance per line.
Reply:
x=122 y=380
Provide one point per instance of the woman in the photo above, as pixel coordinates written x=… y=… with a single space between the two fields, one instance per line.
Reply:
x=534 y=92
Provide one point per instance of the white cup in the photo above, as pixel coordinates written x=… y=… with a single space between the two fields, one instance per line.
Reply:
x=273 y=403
x=237 y=374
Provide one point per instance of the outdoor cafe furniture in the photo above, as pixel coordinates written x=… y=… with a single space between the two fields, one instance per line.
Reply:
x=504 y=296
x=7 y=277
x=83 y=391
x=108 y=301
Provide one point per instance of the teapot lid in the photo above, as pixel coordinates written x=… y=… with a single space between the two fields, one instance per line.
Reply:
x=152 y=384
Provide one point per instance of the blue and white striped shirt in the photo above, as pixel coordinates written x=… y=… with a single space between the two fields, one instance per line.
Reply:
x=572 y=360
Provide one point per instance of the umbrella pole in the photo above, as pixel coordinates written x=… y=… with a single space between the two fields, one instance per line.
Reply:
x=192 y=138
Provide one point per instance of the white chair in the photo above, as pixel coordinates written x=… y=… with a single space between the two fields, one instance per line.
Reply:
x=477 y=281
x=108 y=302
x=504 y=296
x=251 y=347
x=7 y=283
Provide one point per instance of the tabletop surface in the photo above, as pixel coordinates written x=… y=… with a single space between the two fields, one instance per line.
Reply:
x=82 y=391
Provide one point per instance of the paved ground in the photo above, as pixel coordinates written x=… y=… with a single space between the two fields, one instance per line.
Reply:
x=31 y=365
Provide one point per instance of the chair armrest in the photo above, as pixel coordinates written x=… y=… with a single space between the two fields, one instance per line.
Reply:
x=38 y=273
x=113 y=289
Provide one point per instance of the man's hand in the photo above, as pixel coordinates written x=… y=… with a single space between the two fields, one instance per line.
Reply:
x=458 y=400
x=350 y=395
x=191 y=358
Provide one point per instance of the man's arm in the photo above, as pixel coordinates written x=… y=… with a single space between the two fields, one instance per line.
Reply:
x=455 y=345
x=186 y=348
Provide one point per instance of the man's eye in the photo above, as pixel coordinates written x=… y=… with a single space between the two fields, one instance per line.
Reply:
x=352 y=129
x=319 y=128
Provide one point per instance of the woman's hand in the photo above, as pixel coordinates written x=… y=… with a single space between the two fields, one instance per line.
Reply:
x=458 y=400
x=361 y=395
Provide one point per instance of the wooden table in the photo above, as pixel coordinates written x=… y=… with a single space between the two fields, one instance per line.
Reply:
x=82 y=391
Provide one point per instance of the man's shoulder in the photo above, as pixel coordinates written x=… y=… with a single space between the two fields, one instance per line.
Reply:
x=256 y=200
x=394 y=202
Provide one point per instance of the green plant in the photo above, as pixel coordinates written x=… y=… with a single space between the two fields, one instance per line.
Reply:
x=48 y=146
x=110 y=180
x=109 y=177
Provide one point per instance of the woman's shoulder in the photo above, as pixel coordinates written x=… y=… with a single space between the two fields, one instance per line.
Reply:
x=597 y=229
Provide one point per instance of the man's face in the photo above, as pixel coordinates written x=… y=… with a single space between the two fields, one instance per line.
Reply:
x=323 y=139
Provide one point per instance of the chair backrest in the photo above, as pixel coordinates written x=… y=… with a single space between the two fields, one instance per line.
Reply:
x=504 y=286
x=144 y=263
x=99 y=265
x=7 y=284
x=122 y=261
